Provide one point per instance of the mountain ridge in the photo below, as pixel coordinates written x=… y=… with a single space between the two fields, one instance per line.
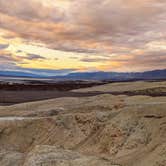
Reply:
x=99 y=75
x=155 y=74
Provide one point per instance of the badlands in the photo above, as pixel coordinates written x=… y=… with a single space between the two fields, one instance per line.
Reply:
x=124 y=126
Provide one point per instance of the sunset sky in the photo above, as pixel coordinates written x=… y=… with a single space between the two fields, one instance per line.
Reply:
x=62 y=36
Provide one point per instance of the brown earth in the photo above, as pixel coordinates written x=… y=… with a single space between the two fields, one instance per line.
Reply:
x=27 y=91
x=20 y=93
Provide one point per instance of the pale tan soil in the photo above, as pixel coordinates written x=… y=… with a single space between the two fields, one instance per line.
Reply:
x=103 y=130
x=124 y=86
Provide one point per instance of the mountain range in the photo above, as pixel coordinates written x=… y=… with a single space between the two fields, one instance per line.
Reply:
x=115 y=76
x=7 y=73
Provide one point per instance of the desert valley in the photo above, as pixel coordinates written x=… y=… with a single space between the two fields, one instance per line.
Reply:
x=82 y=82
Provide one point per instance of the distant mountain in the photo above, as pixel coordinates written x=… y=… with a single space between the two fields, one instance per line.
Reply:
x=115 y=76
x=17 y=74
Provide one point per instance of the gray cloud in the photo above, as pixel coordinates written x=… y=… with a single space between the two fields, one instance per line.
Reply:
x=34 y=57
x=30 y=10
x=97 y=59
x=19 y=51
x=140 y=62
x=3 y=46
x=6 y=57
x=7 y=61
x=122 y=21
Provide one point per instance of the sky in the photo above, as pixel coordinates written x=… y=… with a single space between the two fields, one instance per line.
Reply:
x=63 y=36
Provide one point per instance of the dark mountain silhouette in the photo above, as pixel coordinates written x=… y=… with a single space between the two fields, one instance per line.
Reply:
x=115 y=76
x=149 y=75
x=18 y=74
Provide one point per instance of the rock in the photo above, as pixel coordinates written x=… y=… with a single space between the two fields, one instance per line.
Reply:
x=11 y=158
x=51 y=156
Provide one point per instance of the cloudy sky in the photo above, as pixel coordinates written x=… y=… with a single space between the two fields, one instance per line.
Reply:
x=82 y=35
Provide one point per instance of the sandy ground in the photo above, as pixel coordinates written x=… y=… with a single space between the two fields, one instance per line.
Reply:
x=126 y=86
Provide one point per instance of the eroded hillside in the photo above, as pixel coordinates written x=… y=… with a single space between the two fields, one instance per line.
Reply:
x=103 y=130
